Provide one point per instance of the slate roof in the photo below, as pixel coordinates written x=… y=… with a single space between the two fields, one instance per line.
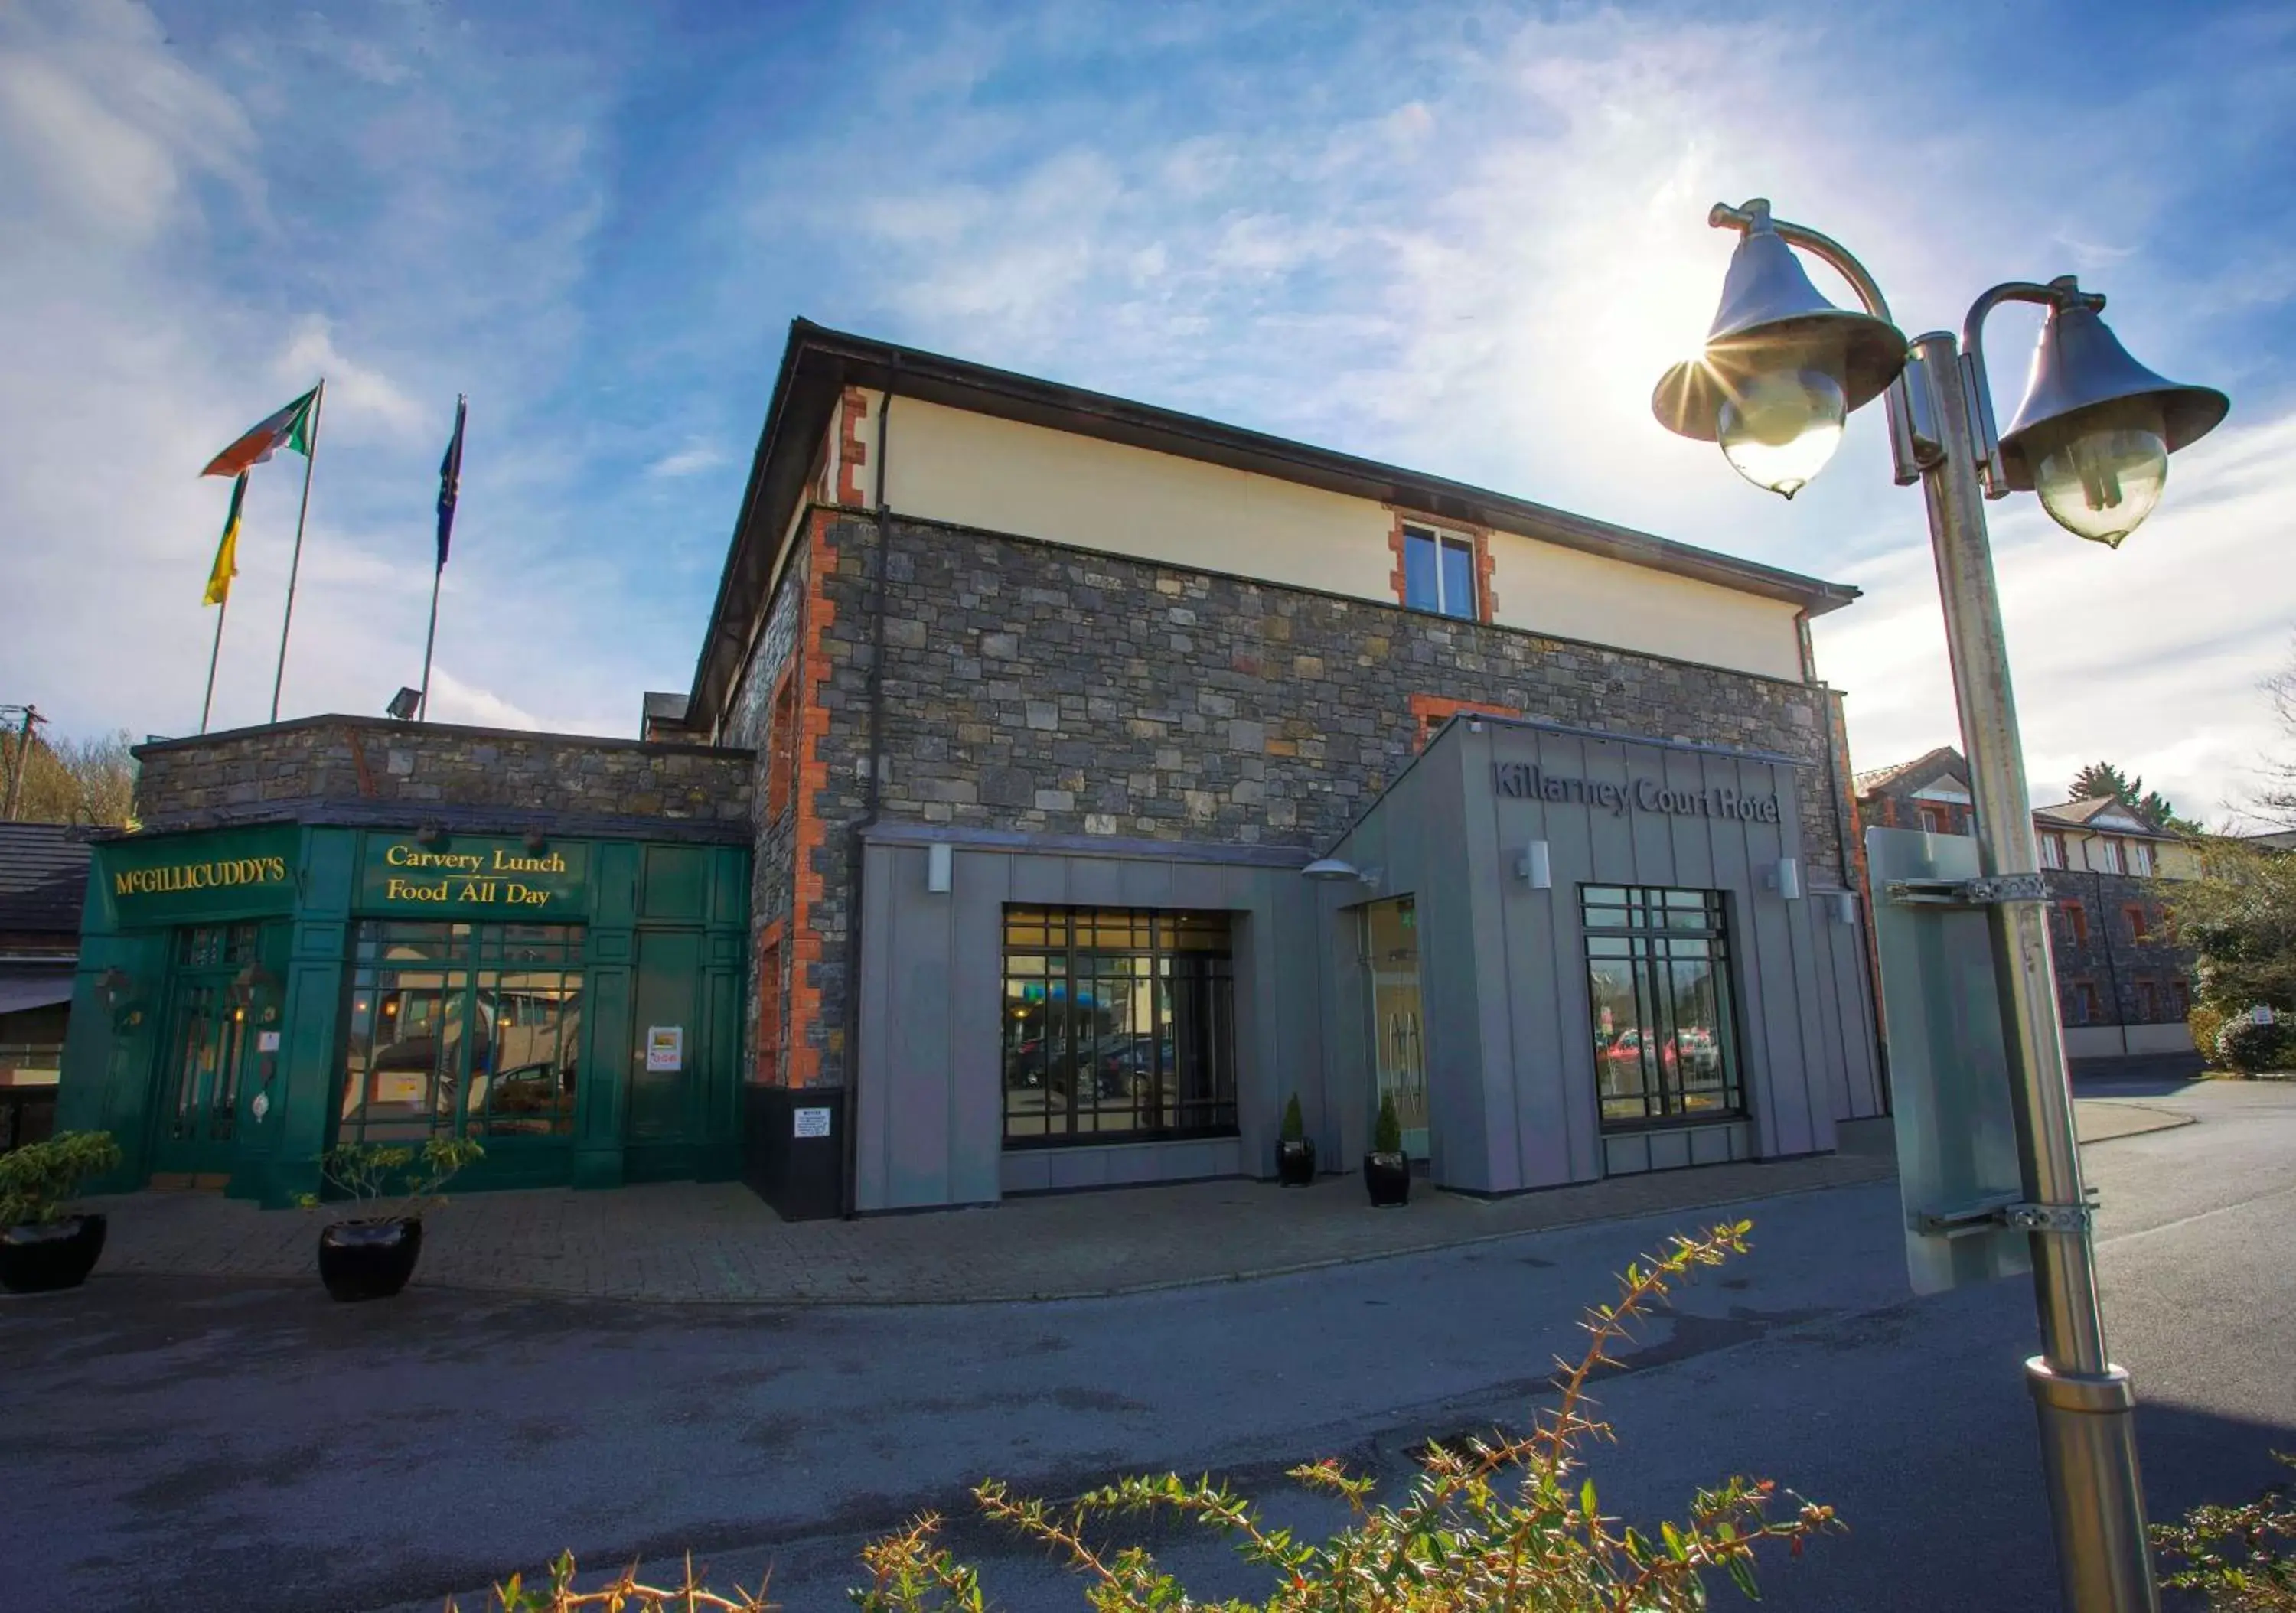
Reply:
x=2083 y=813
x=42 y=878
x=1944 y=758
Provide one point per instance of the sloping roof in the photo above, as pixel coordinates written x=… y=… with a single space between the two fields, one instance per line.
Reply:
x=2085 y=813
x=818 y=364
x=42 y=878
x=1944 y=758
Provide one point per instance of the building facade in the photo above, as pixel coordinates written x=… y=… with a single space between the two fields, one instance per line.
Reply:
x=343 y=930
x=1055 y=695
x=2124 y=989
x=1064 y=785
x=42 y=883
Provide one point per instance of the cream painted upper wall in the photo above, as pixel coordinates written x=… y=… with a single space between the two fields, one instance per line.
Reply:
x=1003 y=476
x=1548 y=588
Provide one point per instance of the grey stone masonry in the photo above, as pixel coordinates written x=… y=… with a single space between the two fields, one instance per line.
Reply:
x=248 y=774
x=1033 y=687
x=1039 y=688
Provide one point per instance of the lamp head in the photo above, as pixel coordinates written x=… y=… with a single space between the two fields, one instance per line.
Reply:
x=1781 y=367
x=2094 y=435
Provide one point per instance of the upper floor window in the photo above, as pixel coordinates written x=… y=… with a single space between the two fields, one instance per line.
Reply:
x=2052 y=850
x=1438 y=573
x=2109 y=857
x=2140 y=858
x=2140 y=929
x=1935 y=820
x=2077 y=923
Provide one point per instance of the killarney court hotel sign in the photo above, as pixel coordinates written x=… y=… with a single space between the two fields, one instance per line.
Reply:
x=403 y=874
x=1527 y=781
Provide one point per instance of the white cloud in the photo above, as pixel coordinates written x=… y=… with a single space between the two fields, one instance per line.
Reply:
x=358 y=395
x=696 y=456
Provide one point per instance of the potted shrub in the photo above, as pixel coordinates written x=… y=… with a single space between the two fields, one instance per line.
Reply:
x=1387 y=1173
x=43 y=1248
x=1295 y=1150
x=371 y=1257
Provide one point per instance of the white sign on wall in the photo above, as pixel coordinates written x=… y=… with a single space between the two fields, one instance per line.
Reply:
x=811 y=1122
x=664 y=1047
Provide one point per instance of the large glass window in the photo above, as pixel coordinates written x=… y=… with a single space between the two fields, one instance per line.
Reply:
x=1438 y=573
x=1119 y=1026
x=1658 y=969
x=473 y=1029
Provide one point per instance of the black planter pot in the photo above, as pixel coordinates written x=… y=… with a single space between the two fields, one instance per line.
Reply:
x=1388 y=1179
x=43 y=1257
x=1295 y=1161
x=369 y=1259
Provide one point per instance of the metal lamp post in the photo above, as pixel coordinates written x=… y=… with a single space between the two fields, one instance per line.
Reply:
x=1781 y=370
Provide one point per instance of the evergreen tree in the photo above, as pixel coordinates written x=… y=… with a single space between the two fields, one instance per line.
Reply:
x=2103 y=781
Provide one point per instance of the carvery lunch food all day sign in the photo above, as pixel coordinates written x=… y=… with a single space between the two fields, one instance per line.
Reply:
x=466 y=873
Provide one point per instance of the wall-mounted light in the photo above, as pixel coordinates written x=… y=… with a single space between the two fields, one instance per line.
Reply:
x=1845 y=907
x=1785 y=879
x=535 y=839
x=404 y=705
x=1335 y=868
x=1534 y=865
x=429 y=834
x=940 y=867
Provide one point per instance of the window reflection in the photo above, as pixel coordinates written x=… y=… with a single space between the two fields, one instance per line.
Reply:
x=1118 y=1025
x=468 y=1028
x=1659 y=990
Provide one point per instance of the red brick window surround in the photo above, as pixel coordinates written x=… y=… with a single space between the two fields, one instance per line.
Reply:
x=2139 y=929
x=1438 y=586
x=2085 y=1002
x=781 y=746
x=2148 y=1002
x=2180 y=1000
x=1430 y=712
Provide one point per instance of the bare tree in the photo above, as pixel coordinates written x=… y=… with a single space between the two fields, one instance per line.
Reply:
x=2277 y=799
x=68 y=780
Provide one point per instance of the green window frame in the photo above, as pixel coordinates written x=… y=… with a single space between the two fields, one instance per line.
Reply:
x=472 y=1029
x=1663 y=1006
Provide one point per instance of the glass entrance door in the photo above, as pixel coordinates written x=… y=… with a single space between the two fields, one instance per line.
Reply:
x=1398 y=1045
x=204 y=1056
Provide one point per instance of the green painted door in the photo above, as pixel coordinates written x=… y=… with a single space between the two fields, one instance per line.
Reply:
x=207 y=1050
x=665 y=1070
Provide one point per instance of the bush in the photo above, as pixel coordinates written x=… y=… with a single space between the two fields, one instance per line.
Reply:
x=38 y=1179
x=2236 y=1557
x=1387 y=1133
x=2246 y=1046
x=364 y=1172
x=1294 y=1127
x=2205 y=1023
x=1510 y=1522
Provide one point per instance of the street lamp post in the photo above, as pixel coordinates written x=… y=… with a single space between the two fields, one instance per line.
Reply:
x=1781 y=370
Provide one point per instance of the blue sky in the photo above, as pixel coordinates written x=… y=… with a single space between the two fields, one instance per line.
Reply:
x=1465 y=238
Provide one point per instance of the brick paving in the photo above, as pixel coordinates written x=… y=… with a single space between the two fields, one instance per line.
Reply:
x=716 y=1242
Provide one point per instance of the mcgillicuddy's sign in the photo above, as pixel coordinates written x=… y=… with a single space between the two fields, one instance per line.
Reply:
x=1529 y=781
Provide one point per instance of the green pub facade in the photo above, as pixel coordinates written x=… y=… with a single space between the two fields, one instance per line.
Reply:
x=341 y=930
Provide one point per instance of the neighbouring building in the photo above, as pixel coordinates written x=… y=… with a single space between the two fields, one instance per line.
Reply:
x=1064 y=784
x=2124 y=990
x=43 y=876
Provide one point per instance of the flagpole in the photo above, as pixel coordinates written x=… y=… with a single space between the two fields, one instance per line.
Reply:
x=423 y=708
x=294 y=566
x=208 y=705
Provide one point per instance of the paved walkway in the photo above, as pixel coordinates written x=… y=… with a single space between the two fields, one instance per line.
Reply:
x=716 y=1242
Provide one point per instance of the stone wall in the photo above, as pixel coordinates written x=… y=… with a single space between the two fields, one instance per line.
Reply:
x=292 y=768
x=1035 y=688
x=2111 y=959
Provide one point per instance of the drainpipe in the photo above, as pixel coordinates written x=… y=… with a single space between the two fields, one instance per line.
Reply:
x=2111 y=968
x=872 y=796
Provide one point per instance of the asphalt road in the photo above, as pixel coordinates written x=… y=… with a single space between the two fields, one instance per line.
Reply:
x=260 y=1450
